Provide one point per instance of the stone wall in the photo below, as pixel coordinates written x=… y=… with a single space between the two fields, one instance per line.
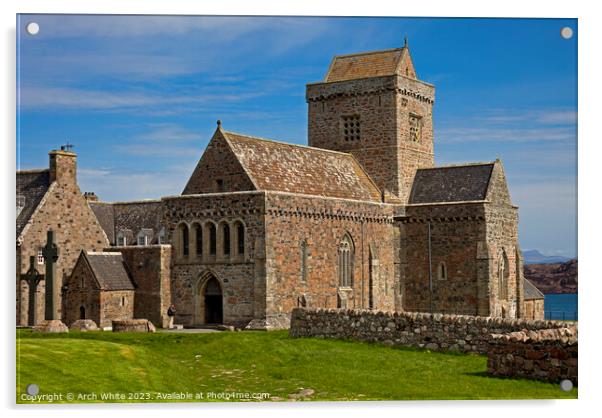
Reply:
x=82 y=292
x=116 y=305
x=504 y=257
x=476 y=243
x=218 y=163
x=456 y=231
x=64 y=210
x=549 y=355
x=431 y=331
x=303 y=238
x=533 y=309
x=241 y=275
x=150 y=269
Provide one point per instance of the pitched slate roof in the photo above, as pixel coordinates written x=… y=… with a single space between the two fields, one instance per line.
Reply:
x=32 y=185
x=129 y=218
x=366 y=64
x=284 y=167
x=531 y=292
x=105 y=216
x=451 y=184
x=109 y=270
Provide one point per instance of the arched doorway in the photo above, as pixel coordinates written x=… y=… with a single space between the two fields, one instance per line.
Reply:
x=213 y=302
x=82 y=312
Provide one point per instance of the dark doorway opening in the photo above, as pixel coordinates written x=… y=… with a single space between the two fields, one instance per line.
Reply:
x=213 y=302
x=82 y=312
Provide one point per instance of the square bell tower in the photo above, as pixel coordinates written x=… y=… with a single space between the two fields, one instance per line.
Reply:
x=373 y=106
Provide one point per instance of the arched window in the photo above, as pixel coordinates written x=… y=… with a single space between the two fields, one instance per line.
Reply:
x=198 y=233
x=212 y=239
x=346 y=254
x=304 y=255
x=225 y=239
x=442 y=271
x=240 y=238
x=184 y=240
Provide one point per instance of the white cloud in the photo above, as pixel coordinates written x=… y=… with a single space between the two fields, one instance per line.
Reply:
x=74 y=98
x=120 y=26
x=169 y=132
x=511 y=125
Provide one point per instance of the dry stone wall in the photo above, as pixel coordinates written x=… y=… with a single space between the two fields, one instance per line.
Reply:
x=549 y=355
x=421 y=330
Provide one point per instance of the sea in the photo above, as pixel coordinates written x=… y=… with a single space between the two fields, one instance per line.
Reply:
x=561 y=306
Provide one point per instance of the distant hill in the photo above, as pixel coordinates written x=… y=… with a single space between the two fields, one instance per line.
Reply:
x=553 y=278
x=535 y=257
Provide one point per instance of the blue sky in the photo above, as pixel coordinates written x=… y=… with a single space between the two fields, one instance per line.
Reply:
x=139 y=97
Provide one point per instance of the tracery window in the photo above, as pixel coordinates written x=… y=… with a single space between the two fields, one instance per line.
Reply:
x=346 y=254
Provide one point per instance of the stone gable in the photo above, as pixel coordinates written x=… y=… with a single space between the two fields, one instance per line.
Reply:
x=63 y=209
x=218 y=170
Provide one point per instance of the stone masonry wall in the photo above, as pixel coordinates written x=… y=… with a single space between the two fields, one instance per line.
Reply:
x=150 y=269
x=384 y=106
x=299 y=227
x=430 y=331
x=504 y=257
x=82 y=291
x=218 y=163
x=549 y=355
x=456 y=231
x=116 y=305
x=241 y=276
x=533 y=309
x=64 y=210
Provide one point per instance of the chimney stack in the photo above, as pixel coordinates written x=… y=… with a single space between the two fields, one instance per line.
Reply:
x=63 y=166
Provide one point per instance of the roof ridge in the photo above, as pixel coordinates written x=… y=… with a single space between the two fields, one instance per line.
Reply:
x=103 y=253
x=457 y=165
x=380 y=51
x=275 y=141
x=33 y=171
x=129 y=202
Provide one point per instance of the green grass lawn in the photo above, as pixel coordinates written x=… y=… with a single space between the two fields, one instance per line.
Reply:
x=255 y=362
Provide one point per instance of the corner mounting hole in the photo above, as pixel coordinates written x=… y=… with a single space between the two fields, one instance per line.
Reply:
x=566 y=32
x=32 y=28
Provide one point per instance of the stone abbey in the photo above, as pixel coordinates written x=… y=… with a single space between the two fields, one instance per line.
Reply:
x=361 y=218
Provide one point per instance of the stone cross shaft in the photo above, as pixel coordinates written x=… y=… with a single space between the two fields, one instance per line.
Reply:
x=51 y=255
x=33 y=278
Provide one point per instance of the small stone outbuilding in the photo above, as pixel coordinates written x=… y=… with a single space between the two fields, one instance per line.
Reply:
x=100 y=289
x=534 y=301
